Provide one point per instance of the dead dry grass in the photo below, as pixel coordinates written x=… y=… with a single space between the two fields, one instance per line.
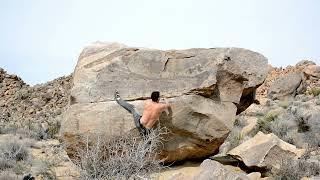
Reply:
x=124 y=157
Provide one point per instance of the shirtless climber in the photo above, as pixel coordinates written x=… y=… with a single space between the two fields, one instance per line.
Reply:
x=151 y=113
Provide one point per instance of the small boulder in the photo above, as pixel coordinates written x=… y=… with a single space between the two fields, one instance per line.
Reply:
x=287 y=86
x=305 y=63
x=209 y=169
x=313 y=71
x=254 y=176
x=265 y=150
x=214 y=170
x=251 y=124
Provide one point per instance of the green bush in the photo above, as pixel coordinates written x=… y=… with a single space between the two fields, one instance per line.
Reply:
x=314 y=91
x=283 y=104
x=265 y=122
x=271 y=116
x=235 y=137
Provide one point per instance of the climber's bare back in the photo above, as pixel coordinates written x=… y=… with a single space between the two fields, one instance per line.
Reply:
x=151 y=113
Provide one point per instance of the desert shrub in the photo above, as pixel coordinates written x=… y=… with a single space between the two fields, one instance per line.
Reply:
x=8 y=175
x=314 y=91
x=312 y=135
x=240 y=122
x=312 y=138
x=298 y=125
x=283 y=104
x=265 y=122
x=14 y=156
x=8 y=128
x=6 y=164
x=43 y=168
x=49 y=131
x=302 y=124
x=235 y=137
x=33 y=130
x=309 y=127
x=284 y=128
x=296 y=169
x=53 y=129
x=14 y=151
x=20 y=167
x=271 y=116
x=122 y=157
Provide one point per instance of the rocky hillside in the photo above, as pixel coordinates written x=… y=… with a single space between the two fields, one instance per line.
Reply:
x=42 y=104
x=309 y=69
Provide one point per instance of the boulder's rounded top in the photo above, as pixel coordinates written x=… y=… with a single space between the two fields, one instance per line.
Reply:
x=103 y=44
x=103 y=67
x=100 y=46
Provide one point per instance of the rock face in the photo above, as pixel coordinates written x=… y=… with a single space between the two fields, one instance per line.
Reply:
x=287 y=86
x=265 y=150
x=206 y=88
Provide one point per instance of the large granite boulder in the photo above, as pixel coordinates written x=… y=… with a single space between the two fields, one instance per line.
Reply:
x=206 y=87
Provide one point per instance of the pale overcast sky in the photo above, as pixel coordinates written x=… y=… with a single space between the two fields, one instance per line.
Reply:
x=41 y=39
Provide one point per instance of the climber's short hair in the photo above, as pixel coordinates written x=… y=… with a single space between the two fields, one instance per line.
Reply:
x=155 y=96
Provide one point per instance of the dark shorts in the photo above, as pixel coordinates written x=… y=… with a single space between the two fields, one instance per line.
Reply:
x=143 y=131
